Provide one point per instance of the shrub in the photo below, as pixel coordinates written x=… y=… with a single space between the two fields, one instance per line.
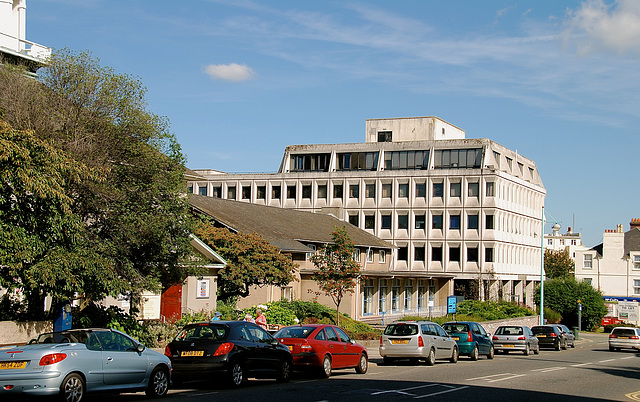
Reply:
x=609 y=327
x=552 y=316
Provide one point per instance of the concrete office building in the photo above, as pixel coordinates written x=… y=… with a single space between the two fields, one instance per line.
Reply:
x=464 y=214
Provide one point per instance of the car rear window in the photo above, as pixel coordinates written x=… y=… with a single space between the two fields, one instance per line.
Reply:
x=624 y=331
x=401 y=329
x=294 y=332
x=542 y=330
x=203 y=332
x=509 y=331
x=456 y=328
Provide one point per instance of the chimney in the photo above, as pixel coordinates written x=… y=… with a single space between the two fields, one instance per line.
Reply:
x=569 y=231
x=635 y=223
x=619 y=228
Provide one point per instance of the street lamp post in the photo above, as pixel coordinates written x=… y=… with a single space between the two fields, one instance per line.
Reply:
x=542 y=271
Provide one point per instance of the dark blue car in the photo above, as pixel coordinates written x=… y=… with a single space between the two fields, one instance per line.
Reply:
x=472 y=339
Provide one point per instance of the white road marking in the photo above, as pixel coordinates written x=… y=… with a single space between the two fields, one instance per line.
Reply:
x=488 y=376
x=508 y=378
x=581 y=364
x=606 y=361
x=548 y=369
x=403 y=390
x=441 y=392
x=625 y=358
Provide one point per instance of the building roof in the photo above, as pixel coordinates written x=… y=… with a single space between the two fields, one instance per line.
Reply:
x=287 y=229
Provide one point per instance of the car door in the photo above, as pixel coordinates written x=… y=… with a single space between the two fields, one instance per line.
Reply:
x=444 y=342
x=351 y=353
x=249 y=350
x=268 y=355
x=336 y=348
x=122 y=363
x=484 y=343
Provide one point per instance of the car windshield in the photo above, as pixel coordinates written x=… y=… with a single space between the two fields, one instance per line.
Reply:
x=455 y=328
x=294 y=332
x=509 y=331
x=203 y=332
x=401 y=329
x=542 y=330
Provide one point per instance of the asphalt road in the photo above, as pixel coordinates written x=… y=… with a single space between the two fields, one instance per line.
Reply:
x=587 y=373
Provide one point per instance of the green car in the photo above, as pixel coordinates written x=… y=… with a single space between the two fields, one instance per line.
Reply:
x=472 y=339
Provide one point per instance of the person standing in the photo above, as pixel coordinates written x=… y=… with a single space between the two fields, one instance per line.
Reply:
x=261 y=320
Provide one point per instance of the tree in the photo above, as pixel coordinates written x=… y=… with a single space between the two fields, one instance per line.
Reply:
x=558 y=264
x=336 y=271
x=251 y=261
x=562 y=295
x=136 y=217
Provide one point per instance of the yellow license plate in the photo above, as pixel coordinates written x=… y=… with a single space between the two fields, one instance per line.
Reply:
x=12 y=365
x=399 y=341
x=456 y=338
x=623 y=337
x=541 y=336
x=507 y=346
x=188 y=353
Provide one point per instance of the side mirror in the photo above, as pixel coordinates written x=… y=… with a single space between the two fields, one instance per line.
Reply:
x=140 y=348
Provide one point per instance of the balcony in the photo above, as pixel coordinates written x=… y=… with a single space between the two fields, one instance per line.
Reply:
x=21 y=51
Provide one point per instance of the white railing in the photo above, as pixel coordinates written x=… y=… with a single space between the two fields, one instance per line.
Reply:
x=17 y=45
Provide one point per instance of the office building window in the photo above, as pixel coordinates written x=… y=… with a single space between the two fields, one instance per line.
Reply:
x=403 y=221
x=310 y=163
x=438 y=190
x=474 y=190
x=403 y=190
x=496 y=157
x=322 y=192
x=370 y=190
x=354 y=191
x=261 y=192
x=436 y=222
x=419 y=253
x=291 y=192
x=403 y=253
x=490 y=189
x=354 y=219
x=231 y=192
x=275 y=192
x=472 y=254
x=455 y=190
x=367 y=307
x=422 y=290
x=306 y=191
x=488 y=254
x=509 y=163
x=357 y=161
x=369 y=222
x=458 y=158
x=454 y=254
x=421 y=221
x=384 y=136
x=403 y=160
x=382 y=296
x=382 y=256
x=386 y=222
x=421 y=190
x=436 y=253
x=217 y=192
x=588 y=261
x=488 y=222
x=395 y=295
x=454 y=222
x=408 y=294
x=472 y=221
x=337 y=191
x=202 y=190
x=387 y=190
x=246 y=192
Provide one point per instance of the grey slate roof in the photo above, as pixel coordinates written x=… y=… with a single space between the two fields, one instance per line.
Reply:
x=286 y=229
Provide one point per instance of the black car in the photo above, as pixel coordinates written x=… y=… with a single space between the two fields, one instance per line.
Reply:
x=549 y=336
x=235 y=349
x=569 y=337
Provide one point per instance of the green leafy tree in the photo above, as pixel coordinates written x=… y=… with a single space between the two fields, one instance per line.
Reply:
x=336 y=271
x=251 y=261
x=558 y=264
x=562 y=295
x=136 y=218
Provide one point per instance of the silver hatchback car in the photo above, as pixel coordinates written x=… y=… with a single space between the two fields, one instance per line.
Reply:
x=509 y=338
x=417 y=340
x=624 y=337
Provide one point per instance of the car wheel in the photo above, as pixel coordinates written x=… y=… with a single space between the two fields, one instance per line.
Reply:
x=492 y=353
x=557 y=346
x=564 y=346
x=526 y=350
x=363 y=364
x=284 y=374
x=454 y=355
x=326 y=367
x=236 y=375
x=474 y=354
x=537 y=350
x=431 y=358
x=158 y=383
x=573 y=344
x=72 y=388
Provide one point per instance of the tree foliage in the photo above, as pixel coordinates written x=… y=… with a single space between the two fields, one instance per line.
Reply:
x=251 y=261
x=558 y=264
x=133 y=223
x=336 y=271
x=562 y=295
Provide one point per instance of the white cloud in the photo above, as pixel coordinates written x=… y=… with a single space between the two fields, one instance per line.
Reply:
x=230 y=72
x=597 y=26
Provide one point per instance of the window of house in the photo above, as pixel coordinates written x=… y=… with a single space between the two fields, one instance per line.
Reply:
x=488 y=222
x=403 y=221
x=421 y=190
x=322 y=192
x=574 y=242
x=354 y=220
x=306 y=191
x=438 y=190
x=231 y=192
x=488 y=254
x=387 y=190
x=454 y=254
x=472 y=254
x=587 y=280
x=474 y=190
x=202 y=190
x=436 y=253
x=403 y=190
x=382 y=295
x=490 y=189
x=636 y=286
x=419 y=253
x=403 y=253
x=454 y=222
x=386 y=221
x=436 y=221
x=368 y=291
x=261 y=192
x=190 y=189
x=287 y=293
x=384 y=136
x=354 y=191
x=472 y=221
x=356 y=254
x=275 y=192
x=246 y=192
x=337 y=191
x=369 y=255
x=636 y=262
x=550 y=241
x=455 y=190
x=369 y=222
x=217 y=192
x=421 y=221
x=312 y=247
x=382 y=256
x=587 y=261
x=370 y=190
x=291 y=192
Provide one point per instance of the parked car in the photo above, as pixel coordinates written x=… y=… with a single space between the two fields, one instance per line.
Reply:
x=415 y=340
x=624 y=337
x=509 y=338
x=235 y=349
x=549 y=336
x=471 y=337
x=567 y=334
x=324 y=348
x=75 y=362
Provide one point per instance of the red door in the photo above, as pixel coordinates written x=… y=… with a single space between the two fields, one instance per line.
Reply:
x=171 y=303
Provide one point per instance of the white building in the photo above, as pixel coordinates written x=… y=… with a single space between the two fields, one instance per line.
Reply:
x=569 y=241
x=458 y=210
x=14 y=47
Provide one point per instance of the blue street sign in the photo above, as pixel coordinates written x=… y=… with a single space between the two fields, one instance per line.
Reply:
x=452 y=304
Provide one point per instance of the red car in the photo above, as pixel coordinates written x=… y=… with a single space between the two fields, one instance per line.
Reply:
x=323 y=347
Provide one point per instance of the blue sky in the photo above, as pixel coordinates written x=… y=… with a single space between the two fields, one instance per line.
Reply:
x=559 y=81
